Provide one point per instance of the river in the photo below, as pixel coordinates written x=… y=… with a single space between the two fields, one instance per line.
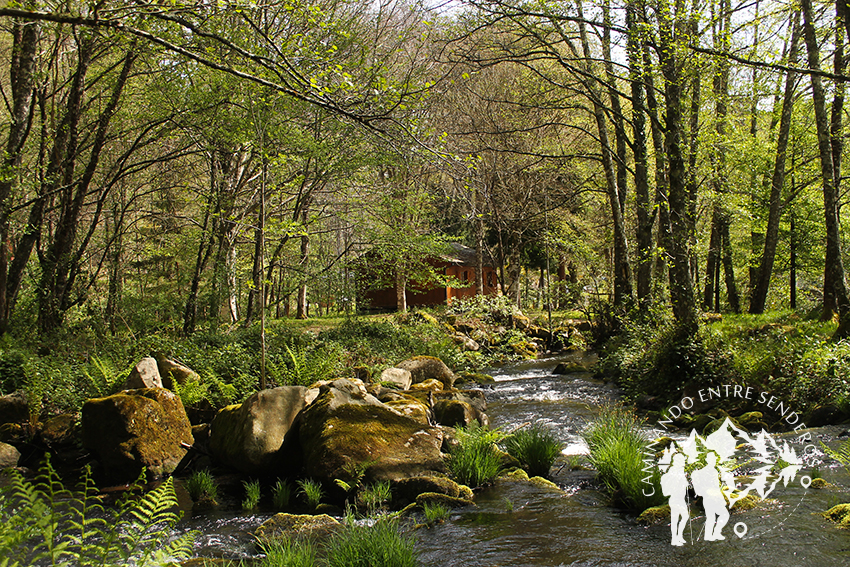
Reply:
x=521 y=524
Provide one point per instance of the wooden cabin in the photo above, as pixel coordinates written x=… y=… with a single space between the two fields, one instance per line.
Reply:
x=460 y=263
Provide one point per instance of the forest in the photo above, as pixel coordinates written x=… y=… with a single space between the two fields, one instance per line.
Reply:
x=653 y=190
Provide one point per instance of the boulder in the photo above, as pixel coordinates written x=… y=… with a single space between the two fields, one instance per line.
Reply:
x=453 y=413
x=465 y=342
x=430 y=384
x=473 y=406
x=442 y=499
x=144 y=375
x=9 y=456
x=297 y=527
x=338 y=438
x=521 y=322
x=397 y=376
x=61 y=430
x=569 y=368
x=135 y=429
x=406 y=490
x=424 y=368
x=412 y=408
x=171 y=371
x=14 y=408
x=248 y=436
x=345 y=391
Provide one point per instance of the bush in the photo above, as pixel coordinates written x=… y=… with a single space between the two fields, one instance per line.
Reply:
x=536 y=447
x=379 y=545
x=617 y=447
x=43 y=522
x=475 y=460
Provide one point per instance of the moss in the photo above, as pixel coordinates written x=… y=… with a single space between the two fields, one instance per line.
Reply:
x=544 y=483
x=297 y=526
x=654 y=515
x=820 y=484
x=514 y=474
x=448 y=501
x=840 y=514
x=407 y=489
x=748 y=502
x=465 y=492
x=430 y=384
x=453 y=413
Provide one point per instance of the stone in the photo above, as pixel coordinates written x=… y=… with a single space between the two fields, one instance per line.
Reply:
x=9 y=456
x=171 y=371
x=431 y=384
x=821 y=484
x=454 y=413
x=654 y=515
x=398 y=376
x=412 y=408
x=466 y=343
x=134 y=429
x=14 y=408
x=840 y=514
x=544 y=483
x=563 y=368
x=406 y=490
x=424 y=368
x=338 y=438
x=60 y=430
x=521 y=322
x=445 y=500
x=296 y=526
x=248 y=436
x=144 y=375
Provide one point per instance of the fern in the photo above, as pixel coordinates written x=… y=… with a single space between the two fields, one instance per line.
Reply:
x=842 y=454
x=43 y=522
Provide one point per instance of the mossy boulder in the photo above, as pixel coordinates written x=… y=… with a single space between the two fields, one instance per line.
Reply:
x=444 y=499
x=544 y=483
x=821 y=484
x=515 y=473
x=336 y=439
x=430 y=384
x=569 y=368
x=748 y=502
x=423 y=368
x=296 y=526
x=135 y=429
x=840 y=514
x=59 y=431
x=750 y=418
x=9 y=456
x=144 y=375
x=654 y=515
x=410 y=407
x=248 y=436
x=171 y=372
x=397 y=376
x=454 y=413
x=14 y=408
x=406 y=490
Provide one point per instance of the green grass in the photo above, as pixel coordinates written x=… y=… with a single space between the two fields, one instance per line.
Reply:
x=281 y=494
x=536 y=447
x=312 y=492
x=617 y=447
x=435 y=512
x=375 y=496
x=475 y=461
x=201 y=485
x=379 y=545
x=252 y=495
x=289 y=553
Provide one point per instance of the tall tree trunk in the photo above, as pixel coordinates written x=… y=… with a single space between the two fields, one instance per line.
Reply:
x=301 y=310
x=645 y=209
x=830 y=189
x=616 y=109
x=728 y=270
x=21 y=75
x=712 y=262
x=115 y=286
x=681 y=286
x=758 y=296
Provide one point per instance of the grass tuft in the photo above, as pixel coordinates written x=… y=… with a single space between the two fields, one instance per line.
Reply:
x=475 y=461
x=312 y=492
x=252 y=495
x=281 y=494
x=536 y=447
x=379 y=545
x=202 y=486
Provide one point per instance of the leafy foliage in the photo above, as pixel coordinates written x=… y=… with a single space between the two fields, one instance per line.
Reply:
x=43 y=522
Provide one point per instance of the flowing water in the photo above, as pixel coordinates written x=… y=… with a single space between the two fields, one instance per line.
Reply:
x=522 y=524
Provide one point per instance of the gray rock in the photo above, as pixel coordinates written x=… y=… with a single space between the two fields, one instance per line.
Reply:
x=397 y=376
x=424 y=368
x=171 y=371
x=144 y=375
x=14 y=408
x=248 y=436
x=9 y=456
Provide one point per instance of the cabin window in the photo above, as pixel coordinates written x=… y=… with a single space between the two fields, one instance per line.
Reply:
x=465 y=277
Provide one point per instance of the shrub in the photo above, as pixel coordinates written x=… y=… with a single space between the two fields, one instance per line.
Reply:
x=252 y=495
x=536 y=447
x=202 y=486
x=43 y=522
x=475 y=460
x=379 y=545
x=312 y=491
x=617 y=447
x=281 y=494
